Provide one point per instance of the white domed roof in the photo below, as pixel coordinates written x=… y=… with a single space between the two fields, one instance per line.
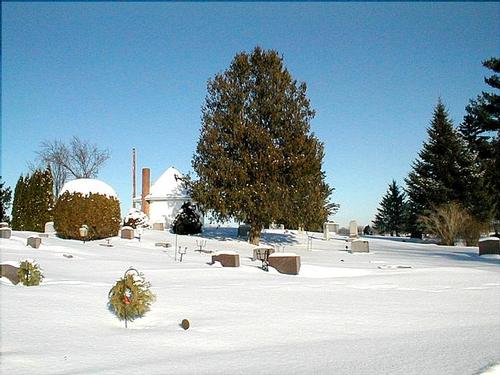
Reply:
x=86 y=186
x=168 y=184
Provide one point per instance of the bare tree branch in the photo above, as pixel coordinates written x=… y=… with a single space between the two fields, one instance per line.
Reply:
x=79 y=159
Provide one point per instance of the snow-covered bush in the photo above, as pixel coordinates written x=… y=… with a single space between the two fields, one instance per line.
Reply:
x=29 y=273
x=188 y=220
x=130 y=298
x=136 y=219
x=99 y=212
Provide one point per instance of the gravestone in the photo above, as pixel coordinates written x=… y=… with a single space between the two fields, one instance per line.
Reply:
x=49 y=227
x=127 y=233
x=359 y=246
x=5 y=233
x=158 y=226
x=490 y=245
x=163 y=244
x=353 y=228
x=34 y=242
x=287 y=263
x=9 y=272
x=227 y=258
x=329 y=228
x=3 y=224
x=244 y=230
x=261 y=249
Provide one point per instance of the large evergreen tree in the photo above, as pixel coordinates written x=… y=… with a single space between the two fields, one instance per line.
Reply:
x=5 y=197
x=307 y=205
x=256 y=159
x=19 y=204
x=33 y=201
x=42 y=199
x=391 y=215
x=481 y=129
x=445 y=171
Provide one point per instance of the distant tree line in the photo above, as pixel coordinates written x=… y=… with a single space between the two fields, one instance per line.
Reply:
x=453 y=188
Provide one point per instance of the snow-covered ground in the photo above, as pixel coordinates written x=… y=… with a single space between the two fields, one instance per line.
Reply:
x=403 y=308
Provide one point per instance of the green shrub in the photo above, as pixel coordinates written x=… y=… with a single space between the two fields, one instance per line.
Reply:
x=100 y=213
x=29 y=273
x=187 y=221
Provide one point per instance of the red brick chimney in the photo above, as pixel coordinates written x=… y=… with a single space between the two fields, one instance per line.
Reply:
x=146 y=183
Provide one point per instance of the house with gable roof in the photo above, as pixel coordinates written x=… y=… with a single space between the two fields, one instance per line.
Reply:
x=162 y=201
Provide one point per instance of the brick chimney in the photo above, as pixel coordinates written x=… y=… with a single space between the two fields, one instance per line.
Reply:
x=146 y=183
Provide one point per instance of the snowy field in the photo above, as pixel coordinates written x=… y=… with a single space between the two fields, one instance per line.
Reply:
x=343 y=314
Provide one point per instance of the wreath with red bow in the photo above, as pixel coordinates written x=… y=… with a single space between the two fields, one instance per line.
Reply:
x=130 y=298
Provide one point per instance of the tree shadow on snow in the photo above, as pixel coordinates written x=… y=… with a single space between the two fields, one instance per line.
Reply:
x=231 y=234
x=278 y=238
x=220 y=234
x=454 y=253
x=402 y=239
x=468 y=256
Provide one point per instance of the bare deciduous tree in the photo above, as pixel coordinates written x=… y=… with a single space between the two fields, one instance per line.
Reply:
x=79 y=159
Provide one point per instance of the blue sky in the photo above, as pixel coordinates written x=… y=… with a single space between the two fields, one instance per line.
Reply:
x=125 y=75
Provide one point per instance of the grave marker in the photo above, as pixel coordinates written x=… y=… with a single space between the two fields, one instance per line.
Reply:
x=158 y=226
x=359 y=246
x=127 y=233
x=490 y=245
x=34 y=242
x=328 y=228
x=353 y=228
x=5 y=233
x=49 y=227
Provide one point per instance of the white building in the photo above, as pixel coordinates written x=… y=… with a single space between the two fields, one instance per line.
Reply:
x=164 y=198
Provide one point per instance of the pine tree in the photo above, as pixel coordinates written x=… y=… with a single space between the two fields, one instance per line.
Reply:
x=445 y=171
x=481 y=129
x=367 y=230
x=19 y=204
x=256 y=159
x=187 y=221
x=390 y=217
x=5 y=198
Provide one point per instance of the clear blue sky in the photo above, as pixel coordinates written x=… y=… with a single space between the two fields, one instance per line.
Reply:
x=125 y=75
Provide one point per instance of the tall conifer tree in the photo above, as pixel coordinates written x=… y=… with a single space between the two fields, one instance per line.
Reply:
x=391 y=214
x=19 y=204
x=5 y=198
x=481 y=129
x=256 y=159
x=42 y=200
x=445 y=171
x=33 y=201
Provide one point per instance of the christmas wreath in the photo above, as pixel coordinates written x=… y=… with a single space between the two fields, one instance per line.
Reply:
x=29 y=273
x=130 y=298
